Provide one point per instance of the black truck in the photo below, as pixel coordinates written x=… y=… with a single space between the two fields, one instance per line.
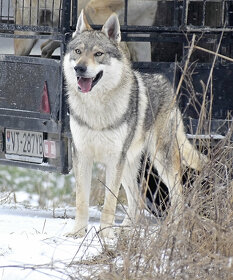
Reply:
x=34 y=116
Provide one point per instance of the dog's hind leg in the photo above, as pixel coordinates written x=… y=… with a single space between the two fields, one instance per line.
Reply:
x=24 y=16
x=23 y=46
x=169 y=171
x=166 y=158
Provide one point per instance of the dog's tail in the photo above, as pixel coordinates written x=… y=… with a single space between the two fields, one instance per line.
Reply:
x=190 y=155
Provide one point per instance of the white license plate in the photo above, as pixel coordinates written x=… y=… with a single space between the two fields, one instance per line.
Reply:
x=24 y=143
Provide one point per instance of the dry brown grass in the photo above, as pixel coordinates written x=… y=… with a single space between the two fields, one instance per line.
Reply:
x=199 y=246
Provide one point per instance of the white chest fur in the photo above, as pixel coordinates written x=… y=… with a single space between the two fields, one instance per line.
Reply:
x=98 y=145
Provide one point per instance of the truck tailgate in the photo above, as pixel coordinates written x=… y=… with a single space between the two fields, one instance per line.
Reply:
x=24 y=80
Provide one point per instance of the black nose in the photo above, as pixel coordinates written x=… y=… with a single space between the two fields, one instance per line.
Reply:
x=80 y=69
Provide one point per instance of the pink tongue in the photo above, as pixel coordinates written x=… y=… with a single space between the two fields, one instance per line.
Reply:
x=85 y=84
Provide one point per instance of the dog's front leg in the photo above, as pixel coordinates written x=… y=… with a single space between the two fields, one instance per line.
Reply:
x=82 y=165
x=113 y=180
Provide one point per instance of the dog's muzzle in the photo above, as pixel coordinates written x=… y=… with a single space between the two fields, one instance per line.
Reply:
x=86 y=84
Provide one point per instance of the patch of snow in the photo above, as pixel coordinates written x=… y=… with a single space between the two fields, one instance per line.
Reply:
x=33 y=244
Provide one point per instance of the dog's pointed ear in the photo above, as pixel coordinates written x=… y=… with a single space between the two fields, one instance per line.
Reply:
x=82 y=24
x=112 y=28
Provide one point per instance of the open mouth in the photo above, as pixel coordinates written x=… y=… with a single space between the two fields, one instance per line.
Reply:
x=86 y=84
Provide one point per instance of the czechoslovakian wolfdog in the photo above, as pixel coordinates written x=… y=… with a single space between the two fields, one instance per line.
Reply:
x=116 y=115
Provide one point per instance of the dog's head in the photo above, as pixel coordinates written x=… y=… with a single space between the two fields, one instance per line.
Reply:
x=94 y=57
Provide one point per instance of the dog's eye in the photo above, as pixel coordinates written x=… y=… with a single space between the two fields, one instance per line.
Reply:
x=77 y=51
x=98 y=53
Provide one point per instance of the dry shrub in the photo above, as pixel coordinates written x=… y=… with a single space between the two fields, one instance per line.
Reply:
x=199 y=245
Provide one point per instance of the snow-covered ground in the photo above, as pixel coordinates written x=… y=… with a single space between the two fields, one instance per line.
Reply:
x=33 y=244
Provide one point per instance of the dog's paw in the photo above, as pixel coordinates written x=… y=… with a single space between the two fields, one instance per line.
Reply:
x=77 y=233
x=107 y=232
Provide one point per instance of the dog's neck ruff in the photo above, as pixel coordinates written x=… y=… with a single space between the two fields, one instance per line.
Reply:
x=127 y=116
